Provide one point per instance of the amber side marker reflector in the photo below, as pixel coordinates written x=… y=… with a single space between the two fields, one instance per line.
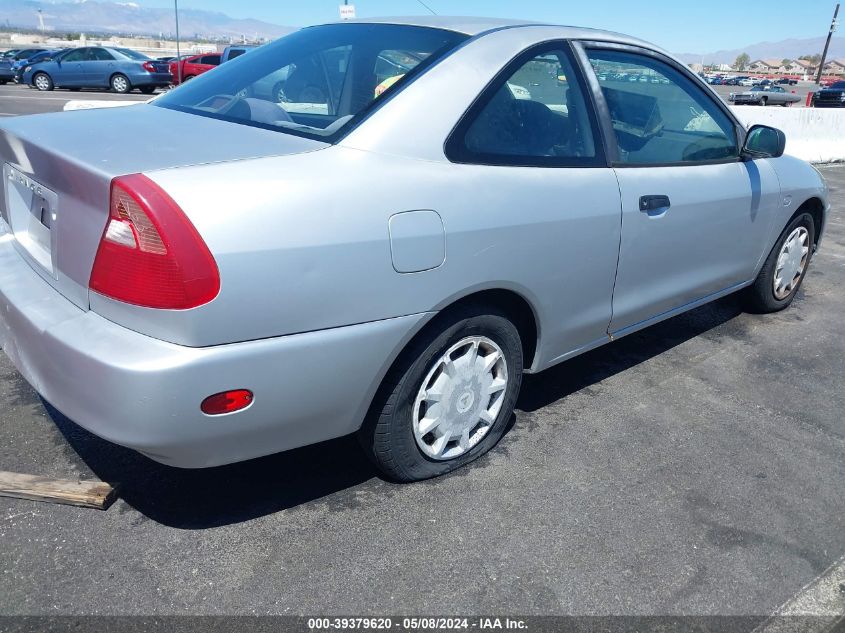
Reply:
x=227 y=402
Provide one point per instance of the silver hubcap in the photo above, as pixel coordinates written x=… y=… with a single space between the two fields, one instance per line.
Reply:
x=41 y=82
x=119 y=84
x=460 y=398
x=791 y=262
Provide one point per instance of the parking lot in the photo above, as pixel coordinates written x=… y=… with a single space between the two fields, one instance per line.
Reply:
x=692 y=468
x=17 y=100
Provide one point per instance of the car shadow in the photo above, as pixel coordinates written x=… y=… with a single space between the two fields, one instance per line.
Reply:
x=212 y=497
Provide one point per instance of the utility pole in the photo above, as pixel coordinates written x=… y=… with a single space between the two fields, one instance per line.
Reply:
x=178 y=56
x=830 y=33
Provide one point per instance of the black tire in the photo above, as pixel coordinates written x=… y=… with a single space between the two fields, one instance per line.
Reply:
x=760 y=296
x=147 y=90
x=3 y=82
x=387 y=435
x=120 y=84
x=45 y=84
x=764 y=101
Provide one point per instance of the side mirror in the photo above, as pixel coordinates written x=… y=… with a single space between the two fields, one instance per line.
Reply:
x=763 y=141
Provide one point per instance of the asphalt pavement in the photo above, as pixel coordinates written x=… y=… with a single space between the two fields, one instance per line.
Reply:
x=693 y=468
x=17 y=100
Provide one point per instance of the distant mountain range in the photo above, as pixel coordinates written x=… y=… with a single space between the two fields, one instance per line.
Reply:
x=94 y=16
x=786 y=49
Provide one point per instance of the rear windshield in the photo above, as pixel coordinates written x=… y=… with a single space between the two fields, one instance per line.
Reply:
x=314 y=82
x=839 y=85
x=128 y=52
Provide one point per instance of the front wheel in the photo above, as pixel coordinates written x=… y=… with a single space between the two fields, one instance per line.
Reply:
x=764 y=102
x=450 y=397
x=120 y=84
x=43 y=82
x=784 y=268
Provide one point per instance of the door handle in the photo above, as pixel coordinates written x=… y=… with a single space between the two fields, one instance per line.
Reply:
x=652 y=204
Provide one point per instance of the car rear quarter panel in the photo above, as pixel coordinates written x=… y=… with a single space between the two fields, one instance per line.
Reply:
x=302 y=244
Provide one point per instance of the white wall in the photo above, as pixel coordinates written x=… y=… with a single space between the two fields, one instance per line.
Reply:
x=814 y=134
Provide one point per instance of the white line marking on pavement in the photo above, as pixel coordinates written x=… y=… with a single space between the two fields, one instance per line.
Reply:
x=822 y=599
x=75 y=97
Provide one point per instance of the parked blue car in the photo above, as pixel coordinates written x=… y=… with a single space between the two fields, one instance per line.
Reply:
x=10 y=58
x=19 y=65
x=119 y=69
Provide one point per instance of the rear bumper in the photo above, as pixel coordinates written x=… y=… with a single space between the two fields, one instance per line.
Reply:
x=145 y=393
x=151 y=79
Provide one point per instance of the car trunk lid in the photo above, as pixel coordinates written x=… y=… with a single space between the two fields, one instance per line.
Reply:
x=57 y=172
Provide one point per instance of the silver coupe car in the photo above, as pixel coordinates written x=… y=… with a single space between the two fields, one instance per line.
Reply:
x=380 y=249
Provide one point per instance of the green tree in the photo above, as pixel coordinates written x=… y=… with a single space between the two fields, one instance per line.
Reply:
x=786 y=61
x=742 y=61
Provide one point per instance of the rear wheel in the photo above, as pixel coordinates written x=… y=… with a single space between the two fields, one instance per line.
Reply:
x=449 y=398
x=785 y=267
x=120 y=84
x=764 y=101
x=42 y=81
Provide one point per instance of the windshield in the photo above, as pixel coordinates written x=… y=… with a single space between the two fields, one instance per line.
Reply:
x=314 y=82
x=839 y=85
x=128 y=52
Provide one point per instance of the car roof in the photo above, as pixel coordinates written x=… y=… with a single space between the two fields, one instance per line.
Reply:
x=477 y=25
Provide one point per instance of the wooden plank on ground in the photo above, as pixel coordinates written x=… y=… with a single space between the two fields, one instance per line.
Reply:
x=87 y=494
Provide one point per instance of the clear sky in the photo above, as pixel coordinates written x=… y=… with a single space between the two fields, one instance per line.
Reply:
x=682 y=26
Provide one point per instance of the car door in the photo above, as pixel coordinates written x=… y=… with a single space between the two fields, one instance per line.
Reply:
x=71 y=68
x=695 y=216
x=98 y=67
x=534 y=188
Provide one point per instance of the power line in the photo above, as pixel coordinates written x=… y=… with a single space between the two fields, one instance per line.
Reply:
x=432 y=11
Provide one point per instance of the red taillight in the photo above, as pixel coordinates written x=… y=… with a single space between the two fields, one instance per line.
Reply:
x=150 y=254
x=227 y=402
x=149 y=67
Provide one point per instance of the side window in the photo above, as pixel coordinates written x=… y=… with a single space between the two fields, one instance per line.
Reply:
x=312 y=85
x=100 y=55
x=534 y=114
x=212 y=60
x=75 y=56
x=392 y=65
x=659 y=115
